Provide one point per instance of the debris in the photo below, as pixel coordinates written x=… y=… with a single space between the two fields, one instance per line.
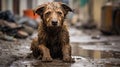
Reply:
x=28 y=29
x=7 y=15
x=6 y=37
x=16 y=30
x=21 y=34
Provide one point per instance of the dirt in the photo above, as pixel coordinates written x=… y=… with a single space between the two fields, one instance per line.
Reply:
x=87 y=51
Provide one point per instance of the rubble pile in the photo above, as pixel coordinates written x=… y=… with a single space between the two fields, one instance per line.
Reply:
x=13 y=27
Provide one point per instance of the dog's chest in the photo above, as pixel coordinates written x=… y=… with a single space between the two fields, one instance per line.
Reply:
x=55 y=46
x=53 y=41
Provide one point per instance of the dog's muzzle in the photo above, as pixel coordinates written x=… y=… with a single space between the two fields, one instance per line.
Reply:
x=54 y=22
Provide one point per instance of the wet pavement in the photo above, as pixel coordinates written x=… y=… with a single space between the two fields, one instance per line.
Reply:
x=89 y=49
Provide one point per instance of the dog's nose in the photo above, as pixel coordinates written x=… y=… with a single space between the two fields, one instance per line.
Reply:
x=54 y=22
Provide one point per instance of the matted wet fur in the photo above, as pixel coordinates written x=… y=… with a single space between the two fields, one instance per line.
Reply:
x=53 y=36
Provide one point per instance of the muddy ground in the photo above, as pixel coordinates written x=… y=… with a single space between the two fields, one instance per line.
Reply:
x=88 y=49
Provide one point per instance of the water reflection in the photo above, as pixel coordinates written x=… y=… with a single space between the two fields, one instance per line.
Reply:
x=97 y=54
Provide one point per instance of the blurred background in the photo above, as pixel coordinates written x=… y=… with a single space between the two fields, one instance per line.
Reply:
x=93 y=12
x=94 y=28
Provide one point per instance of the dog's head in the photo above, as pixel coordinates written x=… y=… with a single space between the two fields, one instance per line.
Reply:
x=53 y=13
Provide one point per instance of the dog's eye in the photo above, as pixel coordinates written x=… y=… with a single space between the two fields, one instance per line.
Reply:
x=48 y=13
x=60 y=13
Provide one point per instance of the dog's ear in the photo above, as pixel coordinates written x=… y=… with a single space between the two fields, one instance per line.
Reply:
x=40 y=9
x=66 y=8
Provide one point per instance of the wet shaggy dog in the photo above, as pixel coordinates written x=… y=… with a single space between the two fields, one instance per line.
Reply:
x=53 y=36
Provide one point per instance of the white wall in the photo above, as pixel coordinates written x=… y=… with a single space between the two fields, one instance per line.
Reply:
x=10 y=4
x=7 y=5
x=23 y=6
x=4 y=5
x=43 y=1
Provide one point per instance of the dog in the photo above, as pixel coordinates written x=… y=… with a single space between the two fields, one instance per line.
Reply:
x=53 y=37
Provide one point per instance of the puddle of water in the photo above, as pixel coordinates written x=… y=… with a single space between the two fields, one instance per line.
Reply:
x=97 y=54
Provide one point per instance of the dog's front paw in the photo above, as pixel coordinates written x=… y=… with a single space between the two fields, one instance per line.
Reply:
x=68 y=59
x=46 y=59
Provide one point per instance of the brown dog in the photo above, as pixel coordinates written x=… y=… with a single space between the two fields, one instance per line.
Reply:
x=53 y=36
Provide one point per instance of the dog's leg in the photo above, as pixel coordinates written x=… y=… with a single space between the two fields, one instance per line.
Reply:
x=67 y=53
x=46 y=53
x=34 y=48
